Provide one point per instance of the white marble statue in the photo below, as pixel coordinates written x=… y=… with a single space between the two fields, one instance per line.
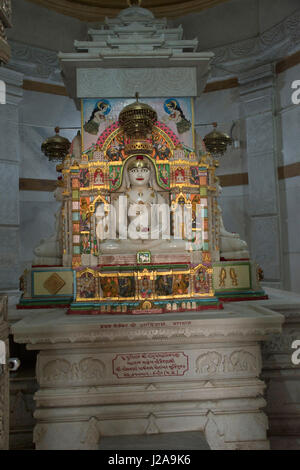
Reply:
x=49 y=250
x=231 y=245
x=140 y=208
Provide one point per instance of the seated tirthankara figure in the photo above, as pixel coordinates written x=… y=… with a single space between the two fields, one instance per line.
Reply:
x=142 y=210
x=231 y=245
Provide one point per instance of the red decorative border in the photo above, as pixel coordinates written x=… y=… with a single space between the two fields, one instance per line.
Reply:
x=109 y=130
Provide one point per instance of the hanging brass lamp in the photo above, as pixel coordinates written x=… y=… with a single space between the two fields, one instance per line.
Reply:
x=137 y=119
x=216 y=142
x=56 y=147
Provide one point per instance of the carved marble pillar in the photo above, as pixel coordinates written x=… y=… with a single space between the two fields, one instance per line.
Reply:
x=9 y=180
x=257 y=98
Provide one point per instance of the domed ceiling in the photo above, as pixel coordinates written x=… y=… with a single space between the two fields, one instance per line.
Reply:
x=96 y=10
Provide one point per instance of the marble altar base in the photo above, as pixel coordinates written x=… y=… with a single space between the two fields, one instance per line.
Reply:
x=123 y=375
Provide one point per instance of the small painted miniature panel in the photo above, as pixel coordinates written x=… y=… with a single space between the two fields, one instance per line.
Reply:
x=145 y=286
x=202 y=281
x=164 y=285
x=143 y=257
x=109 y=287
x=231 y=276
x=85 y=216
x=181 y=284
x=115 y=172
x=87 y=286
x=98 y=177
x=127 y=286
x=163 y=172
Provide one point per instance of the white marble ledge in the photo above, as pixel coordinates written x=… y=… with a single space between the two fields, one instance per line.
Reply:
x=285 y=302
x=236 y=323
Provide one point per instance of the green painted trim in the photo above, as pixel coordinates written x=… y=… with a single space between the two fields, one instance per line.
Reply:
x=141 y=267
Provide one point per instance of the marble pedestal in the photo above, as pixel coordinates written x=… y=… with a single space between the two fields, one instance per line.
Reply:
x=128 y=375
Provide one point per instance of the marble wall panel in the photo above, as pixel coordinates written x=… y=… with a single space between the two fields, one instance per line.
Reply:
x=290 y=122
x=293 y=263
x=9 y=257
x=265 y=245
x=260 y=133
x=9 y=184
x=9 y=133
x=257 y=102
x=292 y=219
x=40 y=113
x=262 y=181
x=290 y=229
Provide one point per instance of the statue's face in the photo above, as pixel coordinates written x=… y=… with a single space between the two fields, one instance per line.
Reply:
x=139 y=176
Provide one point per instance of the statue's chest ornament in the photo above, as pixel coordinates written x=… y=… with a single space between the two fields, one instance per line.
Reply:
x=141 y=198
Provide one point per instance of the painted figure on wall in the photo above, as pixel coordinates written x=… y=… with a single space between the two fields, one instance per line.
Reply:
x=173 y=108
x=99 y=114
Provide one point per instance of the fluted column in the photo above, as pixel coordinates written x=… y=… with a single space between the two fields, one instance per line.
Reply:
x=257 y=98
